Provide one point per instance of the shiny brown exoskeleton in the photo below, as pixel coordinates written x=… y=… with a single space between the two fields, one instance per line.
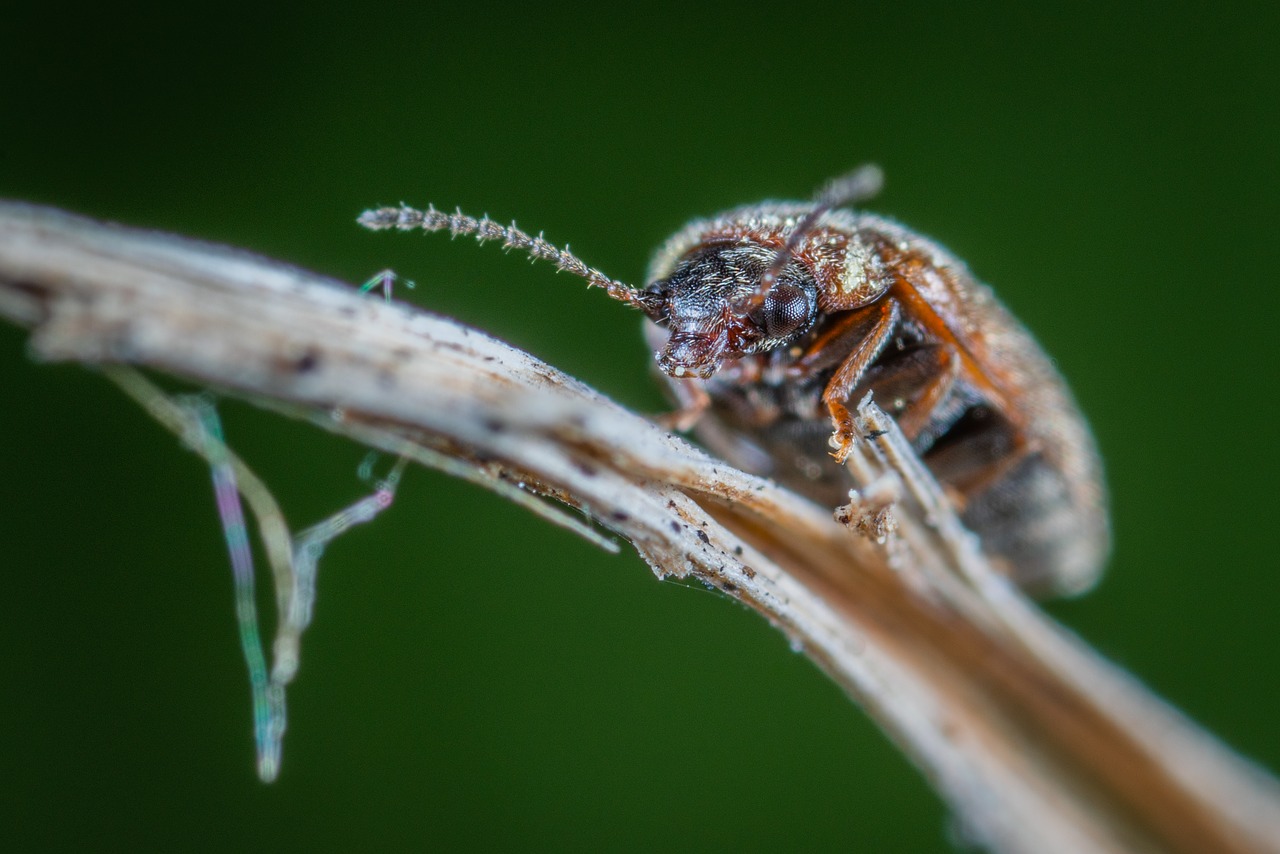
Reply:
x=779 y=317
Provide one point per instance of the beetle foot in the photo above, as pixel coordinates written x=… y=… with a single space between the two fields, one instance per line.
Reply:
x=680 y=420
x=842 y=440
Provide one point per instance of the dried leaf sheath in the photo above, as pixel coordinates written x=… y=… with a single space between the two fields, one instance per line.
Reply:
x=1035 y=742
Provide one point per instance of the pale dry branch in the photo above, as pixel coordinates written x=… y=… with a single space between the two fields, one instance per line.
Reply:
x=1036 y=742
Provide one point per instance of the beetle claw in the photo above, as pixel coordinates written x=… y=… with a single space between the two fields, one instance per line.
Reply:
x=842 y=440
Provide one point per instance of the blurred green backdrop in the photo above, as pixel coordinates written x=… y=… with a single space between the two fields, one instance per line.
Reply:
x=477 y=679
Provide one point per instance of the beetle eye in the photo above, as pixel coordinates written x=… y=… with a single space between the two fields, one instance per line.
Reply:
x=786 y=310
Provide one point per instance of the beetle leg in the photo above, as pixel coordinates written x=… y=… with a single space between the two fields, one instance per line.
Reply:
x=691 y=395
x=917 y=392
x=915 y=388
x=692 y=401
x=885 y=316
x=971 y=467
x=842 y=338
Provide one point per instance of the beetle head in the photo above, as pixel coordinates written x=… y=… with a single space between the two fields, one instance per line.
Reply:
x=710 y=304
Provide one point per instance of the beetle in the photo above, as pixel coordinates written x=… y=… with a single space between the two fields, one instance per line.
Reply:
x=770 y=320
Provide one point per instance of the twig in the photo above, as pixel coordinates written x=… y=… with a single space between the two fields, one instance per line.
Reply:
x=1035 y=741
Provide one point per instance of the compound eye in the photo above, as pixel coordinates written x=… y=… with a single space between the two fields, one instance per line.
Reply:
x=787 y=310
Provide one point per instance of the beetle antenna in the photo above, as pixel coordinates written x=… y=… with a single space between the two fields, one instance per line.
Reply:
x=405 y=218
x=857 y=186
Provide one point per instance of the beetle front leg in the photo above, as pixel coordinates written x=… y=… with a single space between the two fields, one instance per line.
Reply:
x=692 y=401
x=691 y=398
x=850 y=373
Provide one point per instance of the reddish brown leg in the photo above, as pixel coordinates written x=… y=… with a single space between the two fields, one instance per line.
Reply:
x=691 y=395
x=964 y=478
x=912 y=394
x=692 y=400
x=843 y=337
x=851 y=371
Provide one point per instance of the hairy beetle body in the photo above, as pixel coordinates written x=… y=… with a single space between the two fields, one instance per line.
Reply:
x=978 y=398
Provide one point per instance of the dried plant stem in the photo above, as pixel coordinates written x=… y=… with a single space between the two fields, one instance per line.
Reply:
x=1036 y=742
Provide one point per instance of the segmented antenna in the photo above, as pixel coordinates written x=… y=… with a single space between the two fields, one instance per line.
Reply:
x=405 y=218
x=857 y=186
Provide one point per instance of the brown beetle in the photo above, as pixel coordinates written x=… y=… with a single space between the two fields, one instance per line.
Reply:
x=777 y=317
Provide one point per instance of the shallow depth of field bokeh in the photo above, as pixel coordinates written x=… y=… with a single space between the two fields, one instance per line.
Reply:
x=476 y=678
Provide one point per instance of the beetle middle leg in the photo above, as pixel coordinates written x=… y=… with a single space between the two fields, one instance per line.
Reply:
x=915 y=387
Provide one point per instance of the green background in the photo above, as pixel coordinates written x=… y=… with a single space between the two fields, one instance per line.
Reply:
x=476 y=678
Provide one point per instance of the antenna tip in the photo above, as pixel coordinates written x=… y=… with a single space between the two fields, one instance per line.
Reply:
x=854 y=187
x=379 y=218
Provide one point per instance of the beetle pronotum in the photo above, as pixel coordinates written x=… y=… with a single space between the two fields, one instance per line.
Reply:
x=777 y=316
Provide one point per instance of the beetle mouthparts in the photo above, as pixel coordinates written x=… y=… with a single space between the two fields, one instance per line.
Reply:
x=689 y=355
